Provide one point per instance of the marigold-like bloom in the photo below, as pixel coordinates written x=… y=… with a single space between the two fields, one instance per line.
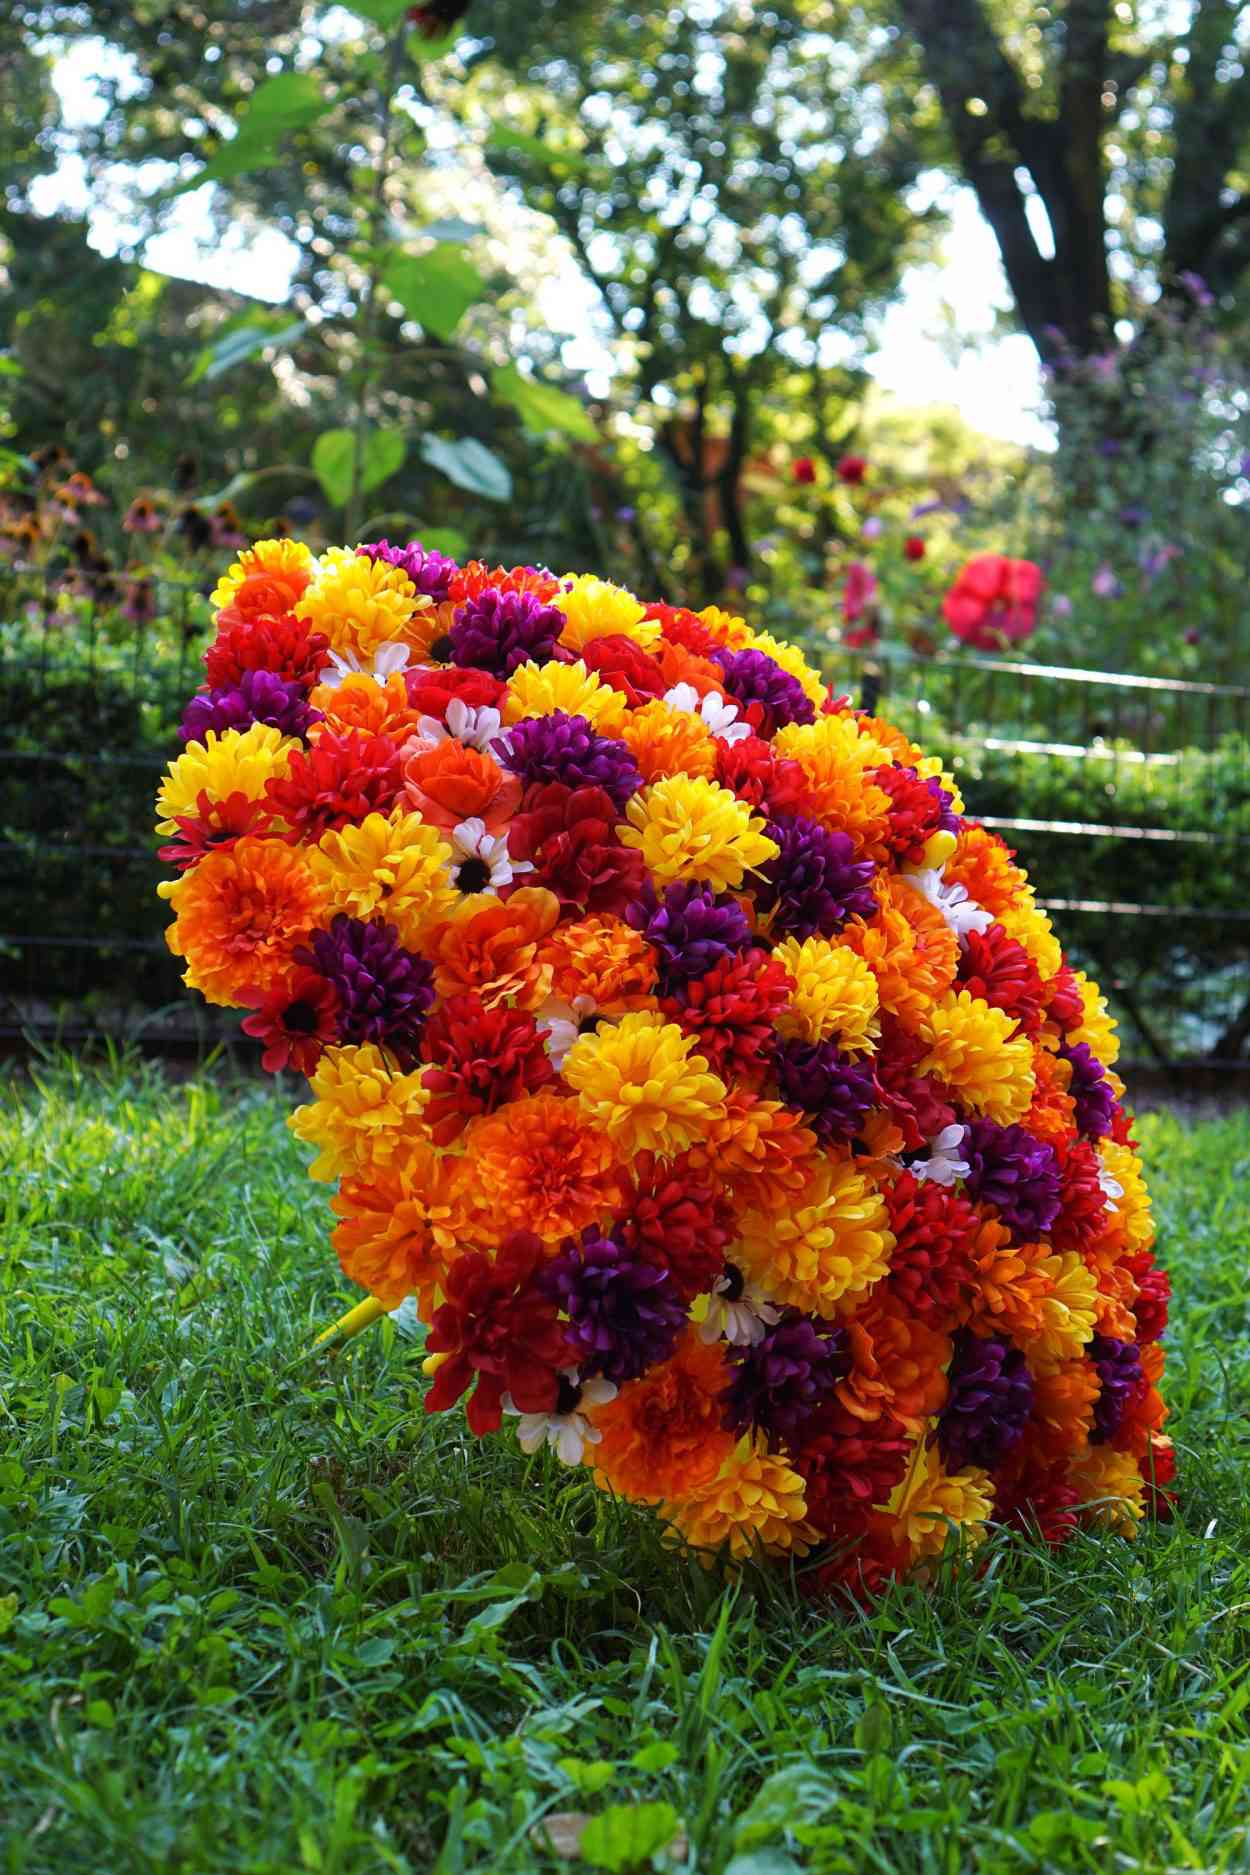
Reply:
x=1097 y=1026
x=690 y=828
x=267 y=579
x=338 y=781
x=540 y=690
x=756 y=1501
x=835 y=994
x=898 y=1365
x=666 y=741
x=603 y=959
x=1063 y=1406
x=976 y=1051
x=930 y=1500
x=1033 y=931
x=364 y=1112
x=239 y=917
x=792 y=661
x=761 y=1150
x=723 y=627
x=493 y=947
x=539 y=1165
x=909 y=947
x=1132 y=1223
x=595 y=608
x=236 y=761
x=392 y=866
x=836 y=761
x=641 y=1082
x=1069 y=1311
x=1009 y=1284
x=662 y=1436
x=402 y=1223
x=1110 y=1487
x=1051 y=1114
x=835 y=1242
x=452 y=782
x=498 y=1333
x=360 y=702
x=361 y=604
x=479 y=1059
x=984 y=865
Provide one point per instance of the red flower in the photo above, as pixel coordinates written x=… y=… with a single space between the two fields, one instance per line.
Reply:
x=915 y=811
x=731 y=1010
x=753 y=771
x=914 y=1102
x=994 y=601
x=295 y=1022
x=804 y=470
x=1034 y=1496
x=913 y=547
x=437 y=17
x=479 y=1058
x=431 y=691
x=626 y=666
x=934 y=1229
x=862 y=636
x=475 y=577
x=859 y=592
x=217 y=823
x=1001 y=972
x=280 y=643
x=850 y=1465
x=500 y=1330
x=569 y=834
x=683 y=627
x=1063 y=1002
x=336 y=782
x=677 y=1221
x=1154 y=1292
x=852 y=470
x=1158 y=1471
x=1083 y=1211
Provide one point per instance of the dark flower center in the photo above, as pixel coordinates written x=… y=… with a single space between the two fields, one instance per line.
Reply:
x=734 y=1282
x=473 y=875
x=440 y=650
x=568 y=1396
x=300 y=1019
x=589 y=1024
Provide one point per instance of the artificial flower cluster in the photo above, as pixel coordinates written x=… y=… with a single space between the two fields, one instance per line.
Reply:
x=717 y=1088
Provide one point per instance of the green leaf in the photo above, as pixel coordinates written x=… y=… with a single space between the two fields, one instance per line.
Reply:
x=520 y=143
x=587 y=1775
x=99 y=1712
x=334 y=456
x=383 y=13
x=244 y=342
x=542 y=407
x=10 y=368
x=423 y=49
x=289 y=101
x=470 y=465
x=448 y=540
x=625 y=1835
x=437 y=288
x=8 y=1609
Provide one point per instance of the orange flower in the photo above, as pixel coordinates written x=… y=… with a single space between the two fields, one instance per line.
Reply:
x=667 y=741
x=538 y=1165
x=909 y=947
x=600 y=957
x=982 y=864
x=679 y=666
x=898 y=1366
x=1117 y=1291
x=402 y=1225
x=1063 y=1407
x=1009 y=1287
x=762 y=1151
x=837 y=761
x=452 y=782
x=240 y=915
x=491 y=946
x=662 y=1436
x=266 y=580
x=1052 y=1115
x=360 y=702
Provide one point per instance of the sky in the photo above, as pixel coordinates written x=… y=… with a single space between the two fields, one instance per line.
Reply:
x=937 y=343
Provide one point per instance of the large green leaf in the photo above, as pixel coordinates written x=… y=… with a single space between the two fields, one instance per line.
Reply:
x=423 y=49
x=542 y=407
x=334 y=456
x=383 y=13
x=627 y=1835
x=437 y=288
x=242 y=342
x=286 y=102
x=470 y=465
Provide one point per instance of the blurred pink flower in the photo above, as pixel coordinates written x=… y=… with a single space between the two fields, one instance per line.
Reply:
x=859 y=592
x=994 y=601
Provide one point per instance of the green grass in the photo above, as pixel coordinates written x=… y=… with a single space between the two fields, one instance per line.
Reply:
x=264 y=1615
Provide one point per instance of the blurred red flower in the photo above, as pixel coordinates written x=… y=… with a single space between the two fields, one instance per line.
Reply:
x=804 y=470
x=994 y=601
x=853 y=469
x=913 y=547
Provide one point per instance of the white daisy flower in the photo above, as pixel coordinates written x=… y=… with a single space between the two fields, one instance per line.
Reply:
x=961 y=913
x=386 y=660
x=560 y=1025
x=1111 y=1188
x=720 y=715
x=482 y=861
x=476 y=728
x=566 y=1429
x=737 y=1311
x=945 y=1164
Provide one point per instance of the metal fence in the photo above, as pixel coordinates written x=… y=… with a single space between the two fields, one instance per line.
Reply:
x=1128 y=799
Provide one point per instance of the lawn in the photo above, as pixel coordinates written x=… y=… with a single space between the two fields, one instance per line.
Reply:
x=260 y=1614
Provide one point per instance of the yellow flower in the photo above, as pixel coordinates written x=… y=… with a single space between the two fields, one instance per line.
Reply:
x=1097 y=1028
x=976 y=1051
x=595 y=608
x=539 y=689
x=360 y=603
x=232 y=761
x=726 y=628
x=1132 y=1221
x=279 y=566
x=1111 y=1488
x=1033 y=931
x=755 y=1501
x=639 y=1081
x=836 y=758
x=393 y=866
x=929 y=768
x=929 y=1499
x=363 y=1112
x=687 y=827
x=834 y=996
x=835 y=1241
x=791 y=659
x=1069 y=1310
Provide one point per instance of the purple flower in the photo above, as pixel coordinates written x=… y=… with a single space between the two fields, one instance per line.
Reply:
x=498 y=631
x=624 y=1312
x=1060 y=605
x=815 y=884
x=384 y=991
x=1105 y=584
x=754 y=677
x=430 y=571
x=834 y=1090
x=1119 y=1372
x=1016 y=1173
x=565 y=748
x=691 y=929
x=779 y=1383
x=1153 y=560
x=1091 y=1090
x=258 y=697
x=988 y=1403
